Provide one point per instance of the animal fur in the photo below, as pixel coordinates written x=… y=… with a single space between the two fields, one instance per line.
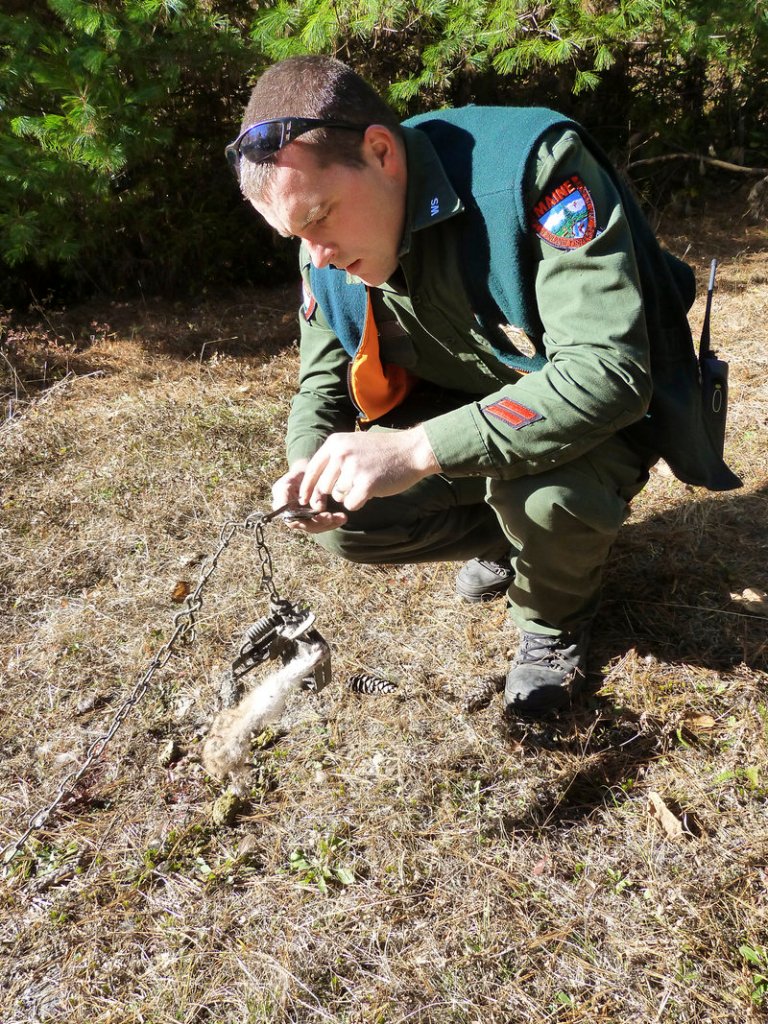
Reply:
x=226 y=748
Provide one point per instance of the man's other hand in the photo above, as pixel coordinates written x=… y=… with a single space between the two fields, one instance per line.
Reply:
x=354 y=467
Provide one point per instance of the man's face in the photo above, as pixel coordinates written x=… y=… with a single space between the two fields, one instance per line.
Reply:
x=351 y=217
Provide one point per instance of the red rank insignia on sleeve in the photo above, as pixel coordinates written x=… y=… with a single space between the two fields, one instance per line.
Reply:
x=512 y=413
x=565 y=217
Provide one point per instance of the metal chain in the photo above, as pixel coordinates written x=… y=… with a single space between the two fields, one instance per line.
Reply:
x=267 y=582
x=184 y=631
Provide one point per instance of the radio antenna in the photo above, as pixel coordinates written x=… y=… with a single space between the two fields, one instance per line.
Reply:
x=705 y=347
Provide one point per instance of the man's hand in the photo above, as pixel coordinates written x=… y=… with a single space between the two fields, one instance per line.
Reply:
x=354 y=467
x=286 y=491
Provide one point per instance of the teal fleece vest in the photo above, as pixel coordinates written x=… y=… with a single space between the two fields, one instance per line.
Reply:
x=485 y=152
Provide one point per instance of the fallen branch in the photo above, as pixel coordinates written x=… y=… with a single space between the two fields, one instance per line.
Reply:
x=724 y=165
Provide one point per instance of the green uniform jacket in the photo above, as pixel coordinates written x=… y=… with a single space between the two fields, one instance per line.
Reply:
x=587 y=304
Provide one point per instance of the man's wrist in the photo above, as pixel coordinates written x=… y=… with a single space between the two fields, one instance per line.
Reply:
x=424 y=458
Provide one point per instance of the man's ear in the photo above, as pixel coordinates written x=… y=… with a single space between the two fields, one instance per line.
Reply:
x=385 y=148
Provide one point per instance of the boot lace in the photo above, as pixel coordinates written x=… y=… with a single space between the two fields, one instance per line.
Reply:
x=536 y=649
x=500 y=568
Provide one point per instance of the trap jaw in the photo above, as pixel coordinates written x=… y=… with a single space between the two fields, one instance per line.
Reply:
x=287 y=632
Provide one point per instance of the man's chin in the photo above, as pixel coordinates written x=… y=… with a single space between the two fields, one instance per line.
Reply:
x=371 y=278
x=368 y=279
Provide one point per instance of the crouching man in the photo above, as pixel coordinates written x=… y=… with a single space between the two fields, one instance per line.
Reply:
x=494 y=348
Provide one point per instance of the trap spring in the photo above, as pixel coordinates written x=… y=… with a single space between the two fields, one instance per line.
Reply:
x=287 y=633
x=185 y=631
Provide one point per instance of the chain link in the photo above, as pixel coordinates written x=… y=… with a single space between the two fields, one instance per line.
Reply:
x=267 y=582
x=185 y=631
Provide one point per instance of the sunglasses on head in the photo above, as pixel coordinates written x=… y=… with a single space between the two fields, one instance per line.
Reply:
x=263 y=140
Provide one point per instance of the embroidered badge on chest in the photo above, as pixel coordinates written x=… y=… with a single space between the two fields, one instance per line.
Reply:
x=512 y=413
x=565 y=217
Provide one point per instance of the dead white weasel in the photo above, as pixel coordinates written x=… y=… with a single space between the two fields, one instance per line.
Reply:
x=226 y=747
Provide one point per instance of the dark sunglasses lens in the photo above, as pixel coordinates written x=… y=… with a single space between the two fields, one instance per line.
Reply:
x=261 y=141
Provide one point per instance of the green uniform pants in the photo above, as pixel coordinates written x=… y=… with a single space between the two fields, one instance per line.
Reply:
x=560 y=525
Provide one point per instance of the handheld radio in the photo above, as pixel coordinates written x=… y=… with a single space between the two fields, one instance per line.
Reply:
x=714 y=376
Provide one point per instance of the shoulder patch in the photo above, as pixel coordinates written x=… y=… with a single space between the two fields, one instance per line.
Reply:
x=565 y=217
x=309 y=302
x=512 y=413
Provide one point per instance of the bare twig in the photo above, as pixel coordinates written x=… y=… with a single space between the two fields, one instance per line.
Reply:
x=17 y=381
x=37 y=305
x=54 y=389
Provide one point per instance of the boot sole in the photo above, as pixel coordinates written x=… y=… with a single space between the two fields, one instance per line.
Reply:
x=478 y=596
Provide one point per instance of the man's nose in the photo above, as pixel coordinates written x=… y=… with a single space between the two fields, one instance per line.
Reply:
x=321 y=255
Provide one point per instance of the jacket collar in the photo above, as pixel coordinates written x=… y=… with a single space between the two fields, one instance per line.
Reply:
x=430 y=197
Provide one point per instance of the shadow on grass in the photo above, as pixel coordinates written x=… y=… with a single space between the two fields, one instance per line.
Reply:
x=667 y=597
x=668 y=585
x=244 y=324
x=602 y=752
x=41 y=346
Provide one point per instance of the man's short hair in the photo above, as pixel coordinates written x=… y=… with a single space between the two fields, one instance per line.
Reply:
x=314 y=86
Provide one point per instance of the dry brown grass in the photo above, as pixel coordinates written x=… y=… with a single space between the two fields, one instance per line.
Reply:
x=472 y=872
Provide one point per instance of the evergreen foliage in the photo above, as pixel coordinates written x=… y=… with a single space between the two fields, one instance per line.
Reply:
x=114 y=113
x=687 y=66
x=113 y=119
